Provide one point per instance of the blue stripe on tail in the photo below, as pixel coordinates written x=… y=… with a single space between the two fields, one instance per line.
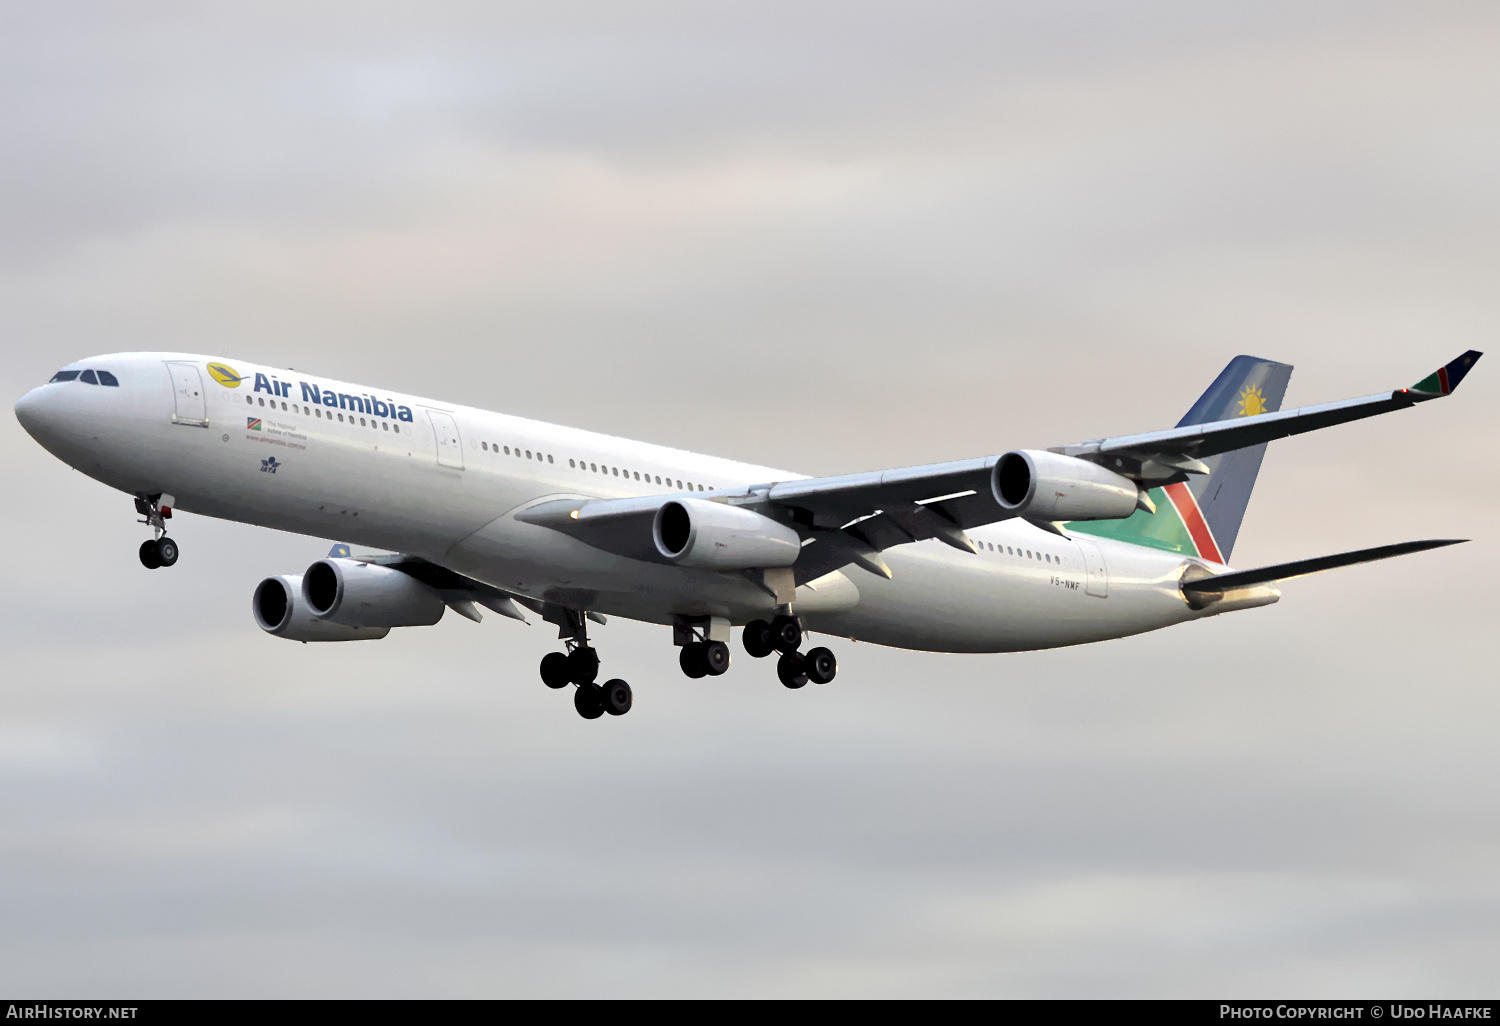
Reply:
x=1246 y=387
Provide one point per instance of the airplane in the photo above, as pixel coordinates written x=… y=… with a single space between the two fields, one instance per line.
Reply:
x=1029 y=549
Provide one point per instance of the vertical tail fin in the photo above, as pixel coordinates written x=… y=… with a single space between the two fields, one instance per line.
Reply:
x=1202 y=517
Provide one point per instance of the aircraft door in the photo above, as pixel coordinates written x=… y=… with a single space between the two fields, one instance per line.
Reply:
x=1093 y=563
x=189 y=404
x=450 y=449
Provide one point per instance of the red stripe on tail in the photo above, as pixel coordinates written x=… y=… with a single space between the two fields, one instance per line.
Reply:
x=1443 y=379
x=1192 y=517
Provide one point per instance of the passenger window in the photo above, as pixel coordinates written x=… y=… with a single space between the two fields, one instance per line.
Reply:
x=485 y=446
x=318 y=414
x=528 y=454
x=260 y=400
x=106 y=378
x=549 y=458
x=64 y=376
x=617 y=471
x=341 y=418
x=250 y=400
x=594 y=467
x=637 y=475
x=571 y=463
x=679 y=483
x=658 y=479
x=384 y=426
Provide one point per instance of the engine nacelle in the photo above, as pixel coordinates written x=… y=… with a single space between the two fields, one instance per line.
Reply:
x=696 y=532
x=281 y=610
x=1047 y=486
x=358 y=594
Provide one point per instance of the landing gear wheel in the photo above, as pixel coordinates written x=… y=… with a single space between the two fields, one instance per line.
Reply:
x=583 y=665
x=715 y=657
x=589 y=701
x=756 y=638
x=821 y=666
x=150 y=558
x=555 y=672
x=786 y=634
x=166 y=550
x=792 y=669
x=616 y=697
x=693 y=661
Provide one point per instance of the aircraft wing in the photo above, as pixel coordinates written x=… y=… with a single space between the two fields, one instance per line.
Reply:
x=852 y=518
x=879 y=510
x=459 y=593
x=1200 y=440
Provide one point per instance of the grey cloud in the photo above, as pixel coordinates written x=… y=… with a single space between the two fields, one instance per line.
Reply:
x=829 y=237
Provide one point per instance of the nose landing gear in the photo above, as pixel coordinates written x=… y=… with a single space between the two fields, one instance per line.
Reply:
x=160 y=550
x=579 y=665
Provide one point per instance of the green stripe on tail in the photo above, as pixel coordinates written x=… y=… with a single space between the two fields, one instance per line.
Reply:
x=1163 y=529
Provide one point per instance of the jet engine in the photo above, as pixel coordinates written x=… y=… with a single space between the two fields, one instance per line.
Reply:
x=698 y=533
x=1048 y=486
x=365 y=595
x=280 y=610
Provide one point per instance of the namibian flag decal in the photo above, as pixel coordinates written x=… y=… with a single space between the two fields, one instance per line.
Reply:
x=252 y=423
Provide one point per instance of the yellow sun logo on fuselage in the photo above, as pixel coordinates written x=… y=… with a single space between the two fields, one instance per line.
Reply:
x=1252 y=402
x=225 y=375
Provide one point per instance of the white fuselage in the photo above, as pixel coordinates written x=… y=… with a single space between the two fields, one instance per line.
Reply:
x=444 y=482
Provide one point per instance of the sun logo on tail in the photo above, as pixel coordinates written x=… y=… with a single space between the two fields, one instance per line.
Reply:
x=1252 y=402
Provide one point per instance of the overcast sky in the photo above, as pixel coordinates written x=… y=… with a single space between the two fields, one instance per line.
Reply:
x=827 y=236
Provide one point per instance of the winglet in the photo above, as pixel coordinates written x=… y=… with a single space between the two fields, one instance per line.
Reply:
x=1445 y=379
x=339 y=551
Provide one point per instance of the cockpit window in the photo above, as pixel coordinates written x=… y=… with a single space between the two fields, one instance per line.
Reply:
x=88 y=377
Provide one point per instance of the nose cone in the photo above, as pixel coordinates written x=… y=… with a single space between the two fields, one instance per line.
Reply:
x=37 y=414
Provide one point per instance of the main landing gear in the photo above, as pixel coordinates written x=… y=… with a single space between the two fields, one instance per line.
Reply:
x=579 y=666
x=160 y=550
x=784 y=634
x=703 y=655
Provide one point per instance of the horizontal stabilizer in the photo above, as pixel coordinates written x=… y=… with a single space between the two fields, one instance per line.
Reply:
x=1303 y=567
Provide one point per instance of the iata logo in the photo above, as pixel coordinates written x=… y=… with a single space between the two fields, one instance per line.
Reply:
x=224 y=375
x=1252 y=402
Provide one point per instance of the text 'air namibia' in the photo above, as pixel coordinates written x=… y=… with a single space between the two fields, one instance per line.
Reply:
x=1033 y=548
